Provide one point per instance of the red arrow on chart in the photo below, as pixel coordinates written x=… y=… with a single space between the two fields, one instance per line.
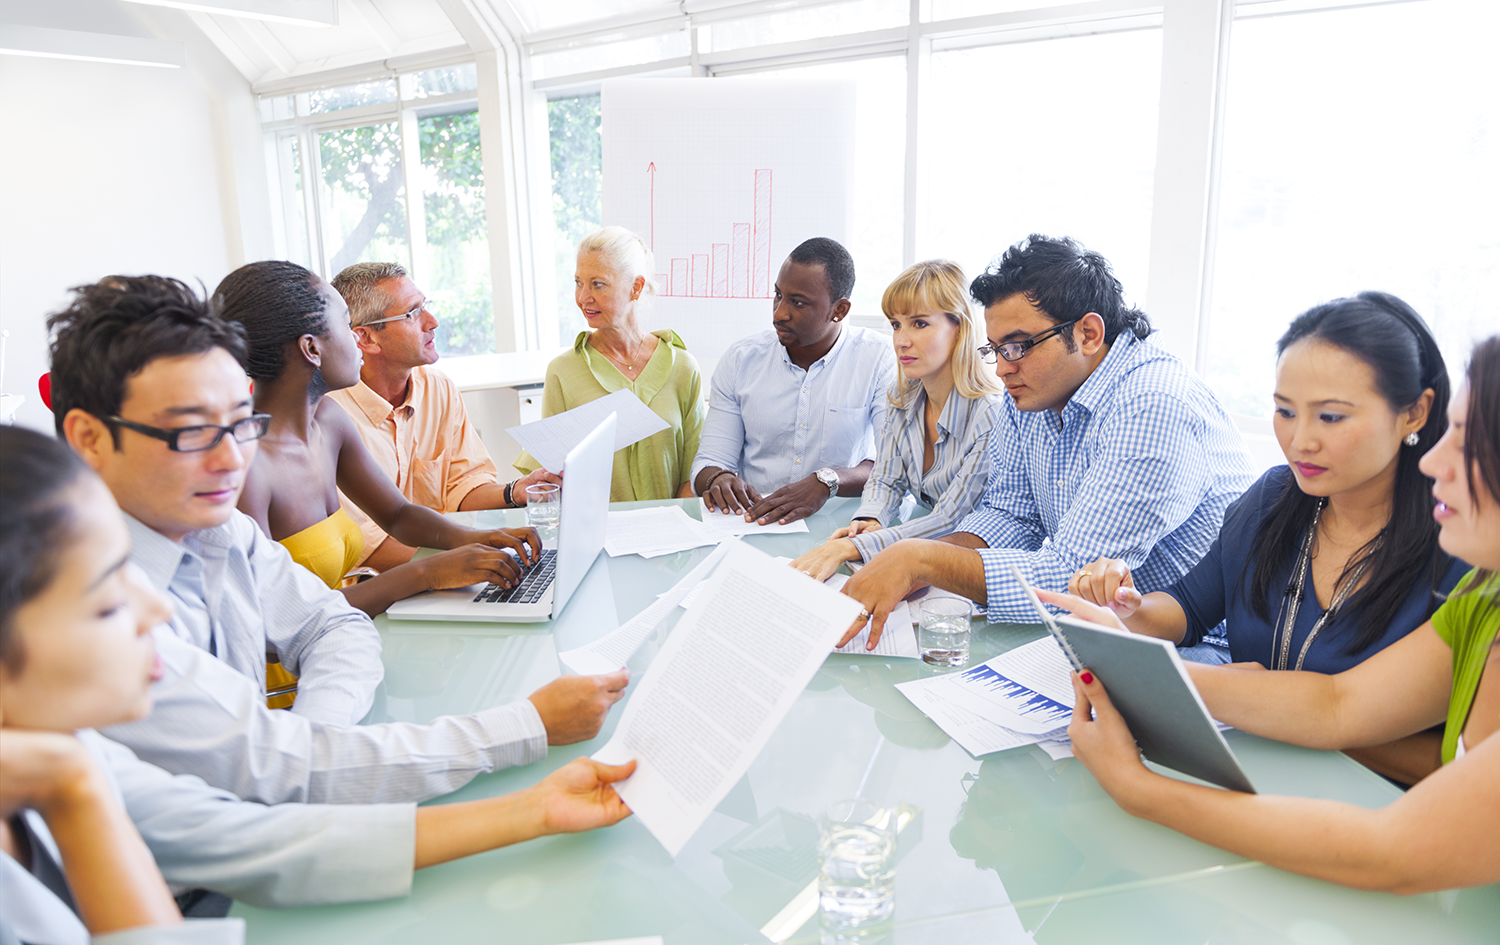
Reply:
x=651 y=169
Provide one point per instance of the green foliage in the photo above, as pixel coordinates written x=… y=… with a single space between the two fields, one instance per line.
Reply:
x=577 y=187
x=458 y=275
x=362 y=175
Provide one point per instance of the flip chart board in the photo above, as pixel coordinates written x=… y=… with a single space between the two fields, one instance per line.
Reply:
x=722 y=178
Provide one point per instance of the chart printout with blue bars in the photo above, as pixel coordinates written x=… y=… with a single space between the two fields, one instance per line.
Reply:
x=1033 y=681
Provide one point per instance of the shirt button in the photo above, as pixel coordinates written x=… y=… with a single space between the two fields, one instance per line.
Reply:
x=799 y=462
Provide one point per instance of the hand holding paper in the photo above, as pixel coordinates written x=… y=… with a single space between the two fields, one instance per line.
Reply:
x=725 y=679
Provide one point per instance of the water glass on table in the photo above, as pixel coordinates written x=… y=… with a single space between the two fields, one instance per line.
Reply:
x=856 y=864
x=543 y=508
x=943 y=633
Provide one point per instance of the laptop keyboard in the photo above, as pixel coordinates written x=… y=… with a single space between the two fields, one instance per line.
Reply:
x=534 y=583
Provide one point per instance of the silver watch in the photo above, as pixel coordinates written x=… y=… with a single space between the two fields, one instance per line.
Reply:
x=830 y=479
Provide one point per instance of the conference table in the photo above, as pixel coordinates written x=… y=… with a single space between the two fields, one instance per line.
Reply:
x=1004 y=848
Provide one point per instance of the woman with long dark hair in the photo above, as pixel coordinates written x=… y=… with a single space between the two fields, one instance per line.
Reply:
x=1444 y=832
x=1334 y=556
x=302 y=347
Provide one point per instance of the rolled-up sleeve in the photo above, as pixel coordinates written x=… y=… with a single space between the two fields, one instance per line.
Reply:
x=211 y=721
x=1144 y=481
x=283 y=855
x=723 y=438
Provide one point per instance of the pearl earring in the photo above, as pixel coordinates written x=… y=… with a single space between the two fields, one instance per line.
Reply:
x=1411 y=439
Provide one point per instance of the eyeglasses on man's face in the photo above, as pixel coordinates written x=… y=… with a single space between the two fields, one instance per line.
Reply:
x=203 y=437
x=422 y=306
x=1016 y=350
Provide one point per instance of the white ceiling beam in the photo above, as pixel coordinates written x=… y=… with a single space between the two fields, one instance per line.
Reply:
x=233 y=51
x=39 y=41
x=384 y=33
x=266 y=42
x=318 y=13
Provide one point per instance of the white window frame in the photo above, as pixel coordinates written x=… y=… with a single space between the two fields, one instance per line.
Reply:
x=512 y=104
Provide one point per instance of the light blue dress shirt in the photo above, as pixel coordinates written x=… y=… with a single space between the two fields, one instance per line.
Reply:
x=773 y=423
x=951 y=488
x=1140 y=465
x=287 y=855
x=210 y=719
x=237 y=592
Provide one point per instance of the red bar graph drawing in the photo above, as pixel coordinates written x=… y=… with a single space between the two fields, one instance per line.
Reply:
x=740 y=268
x=721 y=271
x=760 y=254
x=700 y=275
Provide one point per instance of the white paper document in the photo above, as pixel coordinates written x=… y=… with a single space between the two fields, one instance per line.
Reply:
x=733 y=523
x=655 y=531
x=550 y=439
x=724 y=680
x=898 y=639
x=1021 y=697
x=610 y=652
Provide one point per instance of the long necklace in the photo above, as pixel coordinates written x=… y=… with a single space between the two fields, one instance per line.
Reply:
x=1286 y=621
x=627 y=368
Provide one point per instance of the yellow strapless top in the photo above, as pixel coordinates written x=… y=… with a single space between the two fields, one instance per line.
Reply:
x=329 y=549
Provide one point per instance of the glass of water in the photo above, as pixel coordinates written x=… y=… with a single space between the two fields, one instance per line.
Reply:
x=856 y=864
x=543 y=508
x=943 y=637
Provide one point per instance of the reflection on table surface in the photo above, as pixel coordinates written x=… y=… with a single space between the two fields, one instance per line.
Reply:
x=1007 y=841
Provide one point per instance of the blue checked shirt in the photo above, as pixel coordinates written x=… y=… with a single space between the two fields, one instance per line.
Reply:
x=951 y=488
x=774 y=423
x=1139 y=465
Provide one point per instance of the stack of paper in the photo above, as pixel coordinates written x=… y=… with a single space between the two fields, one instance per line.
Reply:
x=655 y=531
x=550 y=439
x=1021 y=697
x=733 y=523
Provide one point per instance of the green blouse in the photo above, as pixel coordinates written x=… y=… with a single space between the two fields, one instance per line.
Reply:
x=1468 y=623
x=670 y=384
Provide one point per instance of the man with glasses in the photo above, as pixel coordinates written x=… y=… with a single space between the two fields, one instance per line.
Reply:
x=409 y=414
x=1108 y=445
x=148 y=387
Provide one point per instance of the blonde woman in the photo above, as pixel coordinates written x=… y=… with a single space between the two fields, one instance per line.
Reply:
x=612 y=284
x=933 y=445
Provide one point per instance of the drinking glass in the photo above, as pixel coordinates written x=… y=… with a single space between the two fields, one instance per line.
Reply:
x=543 y=508
x=856 y=864
x=943 y=636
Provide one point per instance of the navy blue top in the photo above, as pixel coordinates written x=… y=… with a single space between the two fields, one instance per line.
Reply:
x=1210 y=592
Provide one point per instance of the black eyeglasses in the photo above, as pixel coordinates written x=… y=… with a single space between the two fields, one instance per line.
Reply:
x=204 y=437
x=1016 y=350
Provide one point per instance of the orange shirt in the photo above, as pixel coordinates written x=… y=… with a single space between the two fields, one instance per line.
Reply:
x=427 y=445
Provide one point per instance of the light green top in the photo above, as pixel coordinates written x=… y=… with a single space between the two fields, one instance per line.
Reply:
x=670 y=384
x=1467 y=623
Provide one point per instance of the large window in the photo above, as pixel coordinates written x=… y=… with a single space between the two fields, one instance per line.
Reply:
x=398 y=177
x=577 y=159
x=1061 y=140
x=1352 y=146
x=1361 y=151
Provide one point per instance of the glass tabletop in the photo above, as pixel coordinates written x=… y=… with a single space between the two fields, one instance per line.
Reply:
x=1000 y=846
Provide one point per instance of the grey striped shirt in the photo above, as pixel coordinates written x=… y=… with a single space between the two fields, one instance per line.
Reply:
x=951 y=488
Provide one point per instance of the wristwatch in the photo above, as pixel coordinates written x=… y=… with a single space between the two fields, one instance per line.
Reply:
x=830 y=479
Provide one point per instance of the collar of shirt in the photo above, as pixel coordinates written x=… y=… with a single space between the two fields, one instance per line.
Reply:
x=377 y=408
x=1098 y=390
x=826 y=359
x=154 y=553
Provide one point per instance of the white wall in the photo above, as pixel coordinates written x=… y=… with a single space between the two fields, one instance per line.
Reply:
x=119 y=169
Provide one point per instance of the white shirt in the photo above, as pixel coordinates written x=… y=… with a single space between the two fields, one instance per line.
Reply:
x=211 y=720
x=774 y=423
x=287 y=855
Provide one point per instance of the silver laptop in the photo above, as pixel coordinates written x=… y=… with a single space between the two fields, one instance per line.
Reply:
x=545 y=586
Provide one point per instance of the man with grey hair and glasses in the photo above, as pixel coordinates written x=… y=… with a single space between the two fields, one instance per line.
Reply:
x=409 y=414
